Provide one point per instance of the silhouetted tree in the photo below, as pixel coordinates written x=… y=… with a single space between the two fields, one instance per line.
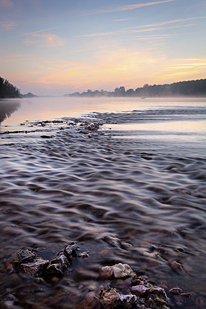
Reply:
x=7 y=90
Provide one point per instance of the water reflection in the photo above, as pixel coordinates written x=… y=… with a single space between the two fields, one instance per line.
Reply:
x=7 y=108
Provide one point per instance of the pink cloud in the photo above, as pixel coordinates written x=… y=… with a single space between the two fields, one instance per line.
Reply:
x=48 y=39
x=8 y=25
x=6 y=3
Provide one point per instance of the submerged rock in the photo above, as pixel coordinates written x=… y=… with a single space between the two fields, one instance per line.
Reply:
x=116 y=242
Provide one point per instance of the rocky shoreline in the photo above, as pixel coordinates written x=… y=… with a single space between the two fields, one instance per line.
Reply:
x=119 y=285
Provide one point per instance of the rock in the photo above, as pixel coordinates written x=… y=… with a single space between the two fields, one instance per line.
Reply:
x=140 y=290
x=155 y=296
x=113 y=241
x=177 y=267
x=116 y=242
x=26 y=255
x=61 y=259
x=36 y=267
x=112 y=299
x=83 y=255
x=54 y=270
x=33 y=266
x=139 y=280
x=119 y=270
x=175 y=291
x=92 y=127
x=71 y=250
x=9 y=304
x=158 y=291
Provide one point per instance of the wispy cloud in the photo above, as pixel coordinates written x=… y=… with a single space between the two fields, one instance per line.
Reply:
x=33 y=33
x=148 y=27
x=38 y=31
x=129 y=7
x=174 y=21
x=190 y=63
x=123 y=19
x=6 y=4
x=8 y=25
x=48 y=39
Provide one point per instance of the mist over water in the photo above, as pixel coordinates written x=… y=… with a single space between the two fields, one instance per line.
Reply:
x=141 y=177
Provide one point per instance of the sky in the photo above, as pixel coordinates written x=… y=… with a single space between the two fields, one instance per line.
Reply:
x=57 y=47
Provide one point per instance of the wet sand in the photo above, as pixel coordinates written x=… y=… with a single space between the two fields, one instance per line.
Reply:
x=65 y=181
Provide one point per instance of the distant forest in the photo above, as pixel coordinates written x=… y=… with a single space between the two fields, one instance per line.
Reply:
x=186 y=88
x=7 y=90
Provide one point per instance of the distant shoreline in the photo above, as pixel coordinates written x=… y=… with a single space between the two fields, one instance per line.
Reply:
x=193 y=88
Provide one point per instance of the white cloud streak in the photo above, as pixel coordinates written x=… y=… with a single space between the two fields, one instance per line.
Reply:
x=150 y=27
x=130 y=7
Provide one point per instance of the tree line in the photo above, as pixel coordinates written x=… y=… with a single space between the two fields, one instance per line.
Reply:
x=185 y=88
x=7 y=90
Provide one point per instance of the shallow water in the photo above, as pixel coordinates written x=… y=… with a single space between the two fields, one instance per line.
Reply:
x=141 y=178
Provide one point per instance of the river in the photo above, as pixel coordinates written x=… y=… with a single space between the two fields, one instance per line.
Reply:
x=131 y=189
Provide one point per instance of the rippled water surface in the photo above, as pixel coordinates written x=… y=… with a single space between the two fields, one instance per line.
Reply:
x=141 y=177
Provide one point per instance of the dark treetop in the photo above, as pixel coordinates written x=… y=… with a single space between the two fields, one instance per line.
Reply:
x=186 y=88
x=7 y=90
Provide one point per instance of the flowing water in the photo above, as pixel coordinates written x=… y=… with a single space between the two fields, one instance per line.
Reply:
x=141 y=177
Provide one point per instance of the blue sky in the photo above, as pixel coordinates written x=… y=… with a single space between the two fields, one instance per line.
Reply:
x=57 y=47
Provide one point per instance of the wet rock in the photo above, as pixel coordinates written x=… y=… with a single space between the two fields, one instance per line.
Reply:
x=116 y=242
x=61 y=259
x=83 y=255
x=140 y=290
x=112 y=299
x=157 y=302
x=54 y=270
x=176 y=266
x=26 y=255
x=33 y=266
x=113 y=241
x=9 y=304
x=175 y=291
x=70 y=251
x=139 y=280
x=92 y=126
x=46 y=136
x=119 y=270
x=155 y=296
x=36 y=267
